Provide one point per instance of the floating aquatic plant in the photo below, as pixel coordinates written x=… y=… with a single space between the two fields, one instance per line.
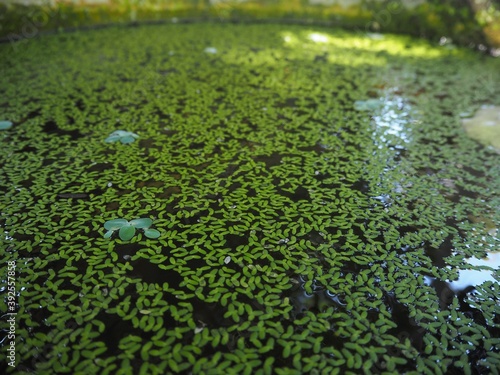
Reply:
x=282 y=223
x=5 y=125
x=367 y=105
x=126 y=229
x=211 y=50
x=123 y=136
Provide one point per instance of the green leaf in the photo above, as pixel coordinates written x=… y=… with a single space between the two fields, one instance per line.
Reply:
x=115 y=224
x=121 y=135
x=5 y=125
x=108 y=234
x=367 y=105
x=112 y=138
x=126 y=232
x=127 y=139
x=152 y=233
x=142 y=223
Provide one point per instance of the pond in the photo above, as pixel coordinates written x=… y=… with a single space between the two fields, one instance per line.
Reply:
x=248 y=199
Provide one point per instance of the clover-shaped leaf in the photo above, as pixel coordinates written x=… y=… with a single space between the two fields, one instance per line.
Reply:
x=123 y=136
x=127 y=229
x=4 y=125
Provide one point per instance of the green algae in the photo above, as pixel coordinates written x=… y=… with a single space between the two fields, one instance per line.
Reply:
x=297 y=231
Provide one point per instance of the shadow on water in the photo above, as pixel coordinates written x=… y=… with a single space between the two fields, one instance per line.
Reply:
x=51 y=128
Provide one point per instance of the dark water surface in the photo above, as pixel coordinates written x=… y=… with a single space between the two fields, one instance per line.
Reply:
x=320 y=207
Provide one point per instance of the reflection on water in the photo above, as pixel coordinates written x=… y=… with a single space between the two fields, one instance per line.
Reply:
x=472 y=277
x=393 y=119
x=317 y=299
x=391 y=115
x=485 y=126
x=319 y=38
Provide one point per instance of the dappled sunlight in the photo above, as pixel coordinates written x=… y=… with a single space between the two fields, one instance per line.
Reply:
x=319 y=38
x=337 y=47
x=390 y=44
x=311 y=44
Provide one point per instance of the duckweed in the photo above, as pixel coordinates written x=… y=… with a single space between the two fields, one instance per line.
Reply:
x=300 y=231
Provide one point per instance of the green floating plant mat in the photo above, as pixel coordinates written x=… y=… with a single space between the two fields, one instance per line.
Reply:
x=315 y=193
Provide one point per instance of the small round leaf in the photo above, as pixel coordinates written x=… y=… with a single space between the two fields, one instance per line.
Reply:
x=112 y=138
x=115 y=224
x=142 y=223
x=367 y=105
x=119 y=133
x=127 y=139
x=126 y=232
x=5 y=125
x=108 y=234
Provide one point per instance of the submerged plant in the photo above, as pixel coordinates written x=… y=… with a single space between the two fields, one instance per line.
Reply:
x=123 y=136
x=126 y=229
x=4 y=125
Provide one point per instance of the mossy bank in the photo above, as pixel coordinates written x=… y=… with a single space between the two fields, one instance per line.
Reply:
x=278 y=199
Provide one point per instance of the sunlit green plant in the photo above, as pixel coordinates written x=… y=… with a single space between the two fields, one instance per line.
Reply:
x=126 y=229
x=123 y=136
x=5 y=125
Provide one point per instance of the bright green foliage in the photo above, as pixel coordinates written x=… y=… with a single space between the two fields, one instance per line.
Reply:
x=432 y=19
x=123 y=136
x=126 y=229
x=299 y=234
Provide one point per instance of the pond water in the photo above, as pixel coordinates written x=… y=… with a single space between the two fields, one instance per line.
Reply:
x=315 y=203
